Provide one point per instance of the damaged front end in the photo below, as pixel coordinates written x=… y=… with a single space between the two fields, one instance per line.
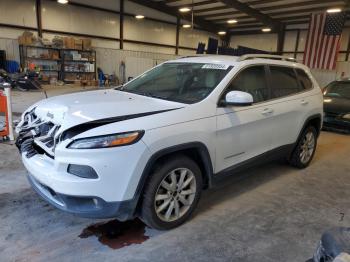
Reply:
x=36 y=136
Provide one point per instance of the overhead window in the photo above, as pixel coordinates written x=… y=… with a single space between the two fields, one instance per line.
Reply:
x=304 y=79
x=253 y=81
x=284 y=81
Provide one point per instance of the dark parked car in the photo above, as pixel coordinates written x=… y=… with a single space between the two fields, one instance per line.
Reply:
x=337 y=106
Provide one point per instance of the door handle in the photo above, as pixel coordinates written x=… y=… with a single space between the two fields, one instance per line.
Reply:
x=267 y=111
x=304 y=102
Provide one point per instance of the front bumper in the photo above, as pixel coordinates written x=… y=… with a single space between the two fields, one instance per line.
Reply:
x=336 y=124
x=85 y=206
x=111 y=194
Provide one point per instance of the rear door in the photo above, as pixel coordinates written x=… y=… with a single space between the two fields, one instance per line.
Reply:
x=288 y=91
x=246 y=131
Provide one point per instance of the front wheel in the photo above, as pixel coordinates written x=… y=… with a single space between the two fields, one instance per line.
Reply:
x=172 y=193
x=305 y=149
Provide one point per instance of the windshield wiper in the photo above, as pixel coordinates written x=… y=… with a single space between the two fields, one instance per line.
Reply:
x=144 y=94
x=120 y=88
x=154 y=95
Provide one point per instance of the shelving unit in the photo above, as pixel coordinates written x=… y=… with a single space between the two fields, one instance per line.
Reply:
x=43 y=59
x=68 y=65
x=78 y=65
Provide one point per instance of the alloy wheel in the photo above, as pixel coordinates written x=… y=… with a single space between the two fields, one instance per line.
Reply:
x=175 y=194
x=307 y=147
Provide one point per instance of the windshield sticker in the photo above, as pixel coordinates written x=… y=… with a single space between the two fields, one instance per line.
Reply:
x=215 y=66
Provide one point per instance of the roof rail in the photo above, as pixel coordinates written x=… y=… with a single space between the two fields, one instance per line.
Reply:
x=275 y=57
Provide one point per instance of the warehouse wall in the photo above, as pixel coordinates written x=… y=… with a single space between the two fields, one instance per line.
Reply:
x=268 y=42
x=146 y=36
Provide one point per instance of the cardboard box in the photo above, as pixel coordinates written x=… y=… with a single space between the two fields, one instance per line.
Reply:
x=78 y=44
x=87 y=44
x=69 y=42
x=25 y=40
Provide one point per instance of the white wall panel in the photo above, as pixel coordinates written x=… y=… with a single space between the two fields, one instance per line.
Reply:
x=266 y=42
x=149 y=31
x=302 y=40
x=11 y=48
x=79 y=20
x=191 y=37
x=290 y=41
x=109 y=60
x=186 y=52
x=135 y=66
x=9 y=42
x=18 y=12
x=324 y=77
x=345 y=39
x=12 y=33
x=149 y=48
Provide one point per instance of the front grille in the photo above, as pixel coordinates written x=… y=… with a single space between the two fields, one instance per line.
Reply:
x=47 y=141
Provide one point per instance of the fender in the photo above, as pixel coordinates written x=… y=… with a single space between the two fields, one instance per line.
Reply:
x=199 y=146
x=307 y=122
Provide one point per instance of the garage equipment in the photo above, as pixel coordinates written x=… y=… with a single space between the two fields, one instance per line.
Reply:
x=6 y=130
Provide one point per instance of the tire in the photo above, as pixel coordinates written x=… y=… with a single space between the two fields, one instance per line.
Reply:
x=155 y=213
x=304 y=151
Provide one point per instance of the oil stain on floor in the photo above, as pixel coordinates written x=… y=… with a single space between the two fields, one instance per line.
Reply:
x=116 y=234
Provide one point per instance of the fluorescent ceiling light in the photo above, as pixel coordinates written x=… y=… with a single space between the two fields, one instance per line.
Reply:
x=62 y=1
x=232 y=21
x=266 y=29
x=187 y=26
x=184 y=9
x=334 y=10
x=222 y=33
x=139 y=16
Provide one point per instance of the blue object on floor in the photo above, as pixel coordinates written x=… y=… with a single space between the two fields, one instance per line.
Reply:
x=12 y=66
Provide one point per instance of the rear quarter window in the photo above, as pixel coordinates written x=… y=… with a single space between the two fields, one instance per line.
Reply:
x=284 y=81
x=304 y=79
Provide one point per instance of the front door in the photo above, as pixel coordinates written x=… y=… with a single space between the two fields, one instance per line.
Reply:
x=244 y=132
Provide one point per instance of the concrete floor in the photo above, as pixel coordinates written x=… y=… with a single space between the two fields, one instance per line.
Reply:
x=275 y=213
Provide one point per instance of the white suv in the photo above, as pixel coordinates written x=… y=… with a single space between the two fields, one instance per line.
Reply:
x=148 y=148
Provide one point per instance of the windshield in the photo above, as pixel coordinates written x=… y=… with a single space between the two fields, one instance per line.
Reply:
x=181 y=82
x=338 y=89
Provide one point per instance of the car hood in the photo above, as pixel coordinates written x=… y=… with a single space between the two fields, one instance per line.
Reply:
x=336 y=105
x=78 y=108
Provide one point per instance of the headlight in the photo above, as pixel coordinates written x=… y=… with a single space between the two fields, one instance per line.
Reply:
x=347 y=116
x=121 y=139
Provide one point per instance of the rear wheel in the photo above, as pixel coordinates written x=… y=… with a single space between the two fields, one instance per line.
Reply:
x=305 y=149
x=172 y=193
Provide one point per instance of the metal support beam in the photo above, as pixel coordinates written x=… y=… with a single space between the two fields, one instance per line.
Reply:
x=245 y=8
x=121 y=25
x=280 y=39
x=38 y=17
x=348 y=50
x=226 y=40
x=178 y=25
x=160 y=6
x=297 y=44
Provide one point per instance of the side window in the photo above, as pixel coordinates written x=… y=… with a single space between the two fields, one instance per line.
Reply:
x=251 y=80
x=304 y=79
x=284 y=81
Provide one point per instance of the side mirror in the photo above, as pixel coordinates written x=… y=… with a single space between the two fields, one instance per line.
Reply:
x=238 y=98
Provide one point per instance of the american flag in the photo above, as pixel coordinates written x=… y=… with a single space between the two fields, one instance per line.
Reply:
x=323 y=40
